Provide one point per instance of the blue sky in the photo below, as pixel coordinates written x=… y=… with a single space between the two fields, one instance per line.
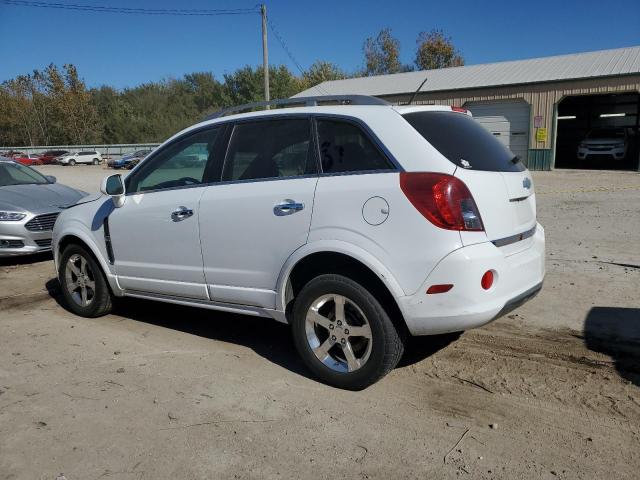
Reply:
x=126 y=50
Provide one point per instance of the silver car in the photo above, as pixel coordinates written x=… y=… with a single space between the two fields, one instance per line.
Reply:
x=29 y=206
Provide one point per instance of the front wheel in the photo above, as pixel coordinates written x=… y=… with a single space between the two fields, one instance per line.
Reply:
x=343 y=334
x=96 y=161
x=72 y=162
x=84 y=286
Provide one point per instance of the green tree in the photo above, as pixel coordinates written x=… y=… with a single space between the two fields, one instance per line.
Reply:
x=17 y=112
x=382 y=54
x=80 y=115
x=321 y=71
x=436 y=50
x=207 y=92
x=245 y=85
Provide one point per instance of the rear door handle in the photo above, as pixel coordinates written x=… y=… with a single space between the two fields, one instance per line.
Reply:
x=287 y=207
x=181 y=213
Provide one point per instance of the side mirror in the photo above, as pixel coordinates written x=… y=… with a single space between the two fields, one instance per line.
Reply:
x=114 y=187
x=51 y=178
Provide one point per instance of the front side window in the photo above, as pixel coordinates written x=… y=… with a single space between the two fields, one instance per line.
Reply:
x=344 y=147
x=269 y=149
x=180 y=164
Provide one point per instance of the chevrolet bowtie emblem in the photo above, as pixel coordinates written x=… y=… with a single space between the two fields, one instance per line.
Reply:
x=526 y=183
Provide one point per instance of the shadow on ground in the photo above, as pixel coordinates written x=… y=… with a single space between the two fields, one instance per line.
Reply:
x=26 y=259
x=616 y=332
x=270 y=339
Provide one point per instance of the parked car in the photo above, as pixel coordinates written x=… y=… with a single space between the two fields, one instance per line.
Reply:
x=30 y=159
x=125 y=160
x=611 y=142
x=357 y=225
x=86 y=156
x=51 y=156
x=14 y=154
x=29 y=205
x=132 y=164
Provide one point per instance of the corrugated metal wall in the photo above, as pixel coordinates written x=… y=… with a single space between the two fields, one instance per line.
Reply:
x=543 y=98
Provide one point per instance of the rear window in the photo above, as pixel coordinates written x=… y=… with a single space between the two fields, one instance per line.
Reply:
x=464 y=142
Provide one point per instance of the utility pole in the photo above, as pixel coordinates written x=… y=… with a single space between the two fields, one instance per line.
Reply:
x=265 y=52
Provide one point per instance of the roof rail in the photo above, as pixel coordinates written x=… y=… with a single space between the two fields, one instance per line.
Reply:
x=304 y=101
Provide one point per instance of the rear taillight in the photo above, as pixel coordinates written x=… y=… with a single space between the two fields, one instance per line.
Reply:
x=442 y=199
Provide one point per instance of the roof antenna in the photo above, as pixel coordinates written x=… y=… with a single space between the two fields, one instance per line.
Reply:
x=416 y=92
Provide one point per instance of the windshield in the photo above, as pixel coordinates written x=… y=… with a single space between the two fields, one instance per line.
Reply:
x=605 y=133
x=464 y=142
x=16 y=174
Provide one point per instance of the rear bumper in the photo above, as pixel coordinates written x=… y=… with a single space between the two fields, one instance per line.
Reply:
x=518 y=278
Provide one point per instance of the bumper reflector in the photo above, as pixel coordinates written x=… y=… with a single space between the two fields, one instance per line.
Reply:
x=439 y=288
x=487 y=280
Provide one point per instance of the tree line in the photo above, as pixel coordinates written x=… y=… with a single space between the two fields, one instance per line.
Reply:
x=54 y=106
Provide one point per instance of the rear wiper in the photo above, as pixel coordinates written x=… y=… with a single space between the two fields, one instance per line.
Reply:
x=515 y=159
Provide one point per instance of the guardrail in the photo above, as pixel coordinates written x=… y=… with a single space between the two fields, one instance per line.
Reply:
x=106 y=150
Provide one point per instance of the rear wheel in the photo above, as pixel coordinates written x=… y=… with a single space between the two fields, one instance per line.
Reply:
x=84 y=286
x=96 y=161
x=343 y=334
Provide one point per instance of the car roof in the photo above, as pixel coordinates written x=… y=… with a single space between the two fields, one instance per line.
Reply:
x=357 y=111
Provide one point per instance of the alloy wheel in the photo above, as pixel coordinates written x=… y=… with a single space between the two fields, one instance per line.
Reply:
x=80 y=280
x=338 y=333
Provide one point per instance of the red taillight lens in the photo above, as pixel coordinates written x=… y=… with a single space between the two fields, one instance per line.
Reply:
x=459 y=110
x=487 y=280
x=442 y=199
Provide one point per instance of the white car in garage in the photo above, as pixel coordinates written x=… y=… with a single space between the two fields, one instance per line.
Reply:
x=89 y=157
x=356 y=222
x=611 y=142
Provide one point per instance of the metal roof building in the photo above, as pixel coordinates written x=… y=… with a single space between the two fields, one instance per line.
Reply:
x=542 y=108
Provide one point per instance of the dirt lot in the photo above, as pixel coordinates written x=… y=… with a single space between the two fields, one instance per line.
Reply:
x=158 y=391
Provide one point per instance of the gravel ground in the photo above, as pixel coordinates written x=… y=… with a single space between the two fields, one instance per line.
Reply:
x=83 y=177
x=160 y=391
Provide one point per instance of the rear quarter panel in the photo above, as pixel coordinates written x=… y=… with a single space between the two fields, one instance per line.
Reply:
x=406 y=243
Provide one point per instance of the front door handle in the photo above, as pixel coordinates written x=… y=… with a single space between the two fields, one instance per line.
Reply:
x=287 y=207
x=181 y=213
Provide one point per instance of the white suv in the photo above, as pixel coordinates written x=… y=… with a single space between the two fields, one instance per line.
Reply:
x=86 y=156
x=357 y=222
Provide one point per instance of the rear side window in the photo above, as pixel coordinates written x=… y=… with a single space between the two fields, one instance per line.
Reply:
x=344 y=147
x=269 y=149
x=464 y=142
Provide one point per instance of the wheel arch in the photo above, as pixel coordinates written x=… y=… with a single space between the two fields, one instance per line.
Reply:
x=338 y=258
x=76 y=237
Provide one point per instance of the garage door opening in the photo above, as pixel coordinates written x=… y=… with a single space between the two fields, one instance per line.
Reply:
x=507 y=121
x=598 y=132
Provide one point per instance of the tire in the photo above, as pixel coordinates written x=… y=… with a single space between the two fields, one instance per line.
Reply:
x=71 y=162
x=373 y=354
x=98 y=300
x=96 y=161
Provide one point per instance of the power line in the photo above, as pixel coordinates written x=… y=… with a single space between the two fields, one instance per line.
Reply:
x=162 y=11
x=288 y=52
x=129 y=10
